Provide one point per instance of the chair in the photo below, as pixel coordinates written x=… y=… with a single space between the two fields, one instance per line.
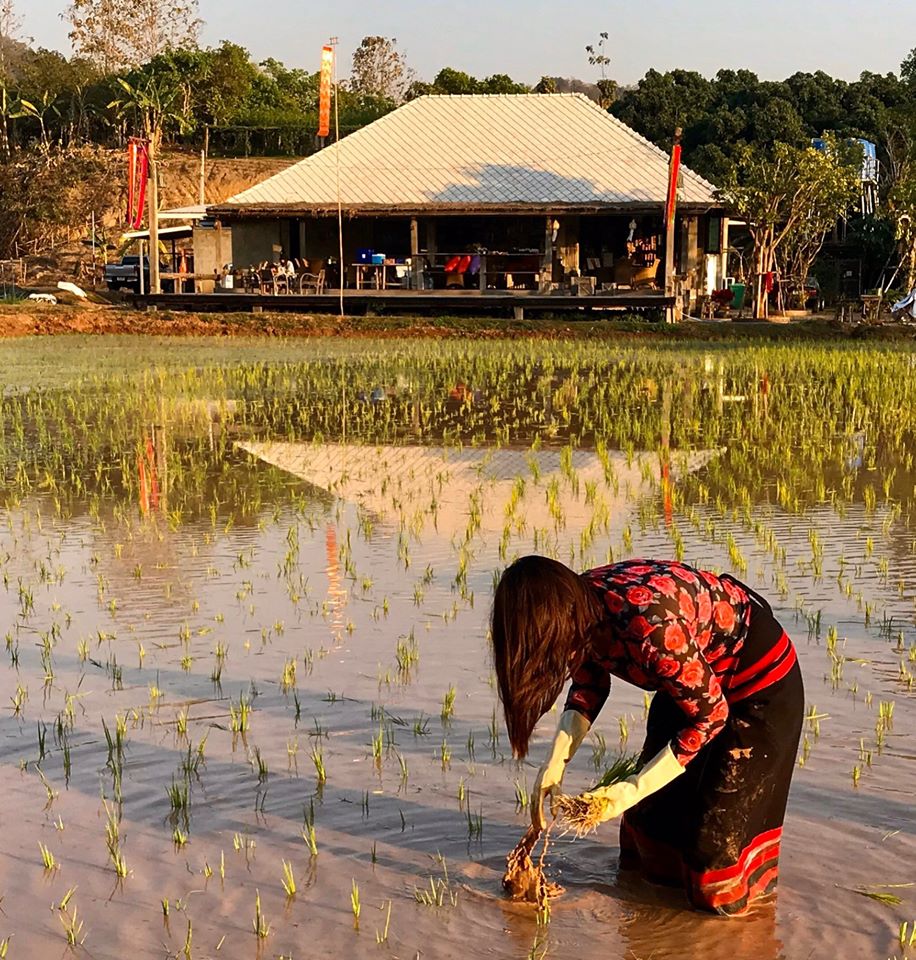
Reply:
x=312 y=277
x=267 y=279
x=281 y=279
x=250 y=280
x=312 y=281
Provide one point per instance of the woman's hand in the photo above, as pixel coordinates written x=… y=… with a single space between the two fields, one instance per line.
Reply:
x=612 y=801
x=547 y=784
x=571 y=731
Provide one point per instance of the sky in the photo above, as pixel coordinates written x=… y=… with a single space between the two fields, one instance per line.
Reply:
x=531 y=38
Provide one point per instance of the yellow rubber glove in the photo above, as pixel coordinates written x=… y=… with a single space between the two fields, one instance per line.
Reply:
x=571 y=731
x=619 y=797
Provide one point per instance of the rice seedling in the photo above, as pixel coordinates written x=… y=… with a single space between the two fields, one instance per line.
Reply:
x=355 y=906
x=448 y=705
x=439 y=891
x=260 y=924
x=179 y=794
x=317 y=756
x=378 y=740
x=308 y=830
x=47 y=858
x=113 y=842
x=475 y=823
x=261 y=764
x=288 y=879
x=879 y=892
x=381 y=936
x=239 y=715
x=73 y=927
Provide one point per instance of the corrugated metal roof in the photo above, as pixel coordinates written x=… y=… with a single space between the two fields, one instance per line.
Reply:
x=480 y=150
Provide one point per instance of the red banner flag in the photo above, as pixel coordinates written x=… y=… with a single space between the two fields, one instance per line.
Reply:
x=674 y=170
x=137 y=175
x=324 y=98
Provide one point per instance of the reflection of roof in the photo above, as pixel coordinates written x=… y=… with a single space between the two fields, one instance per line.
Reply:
x=438 y=485
x=482 y=151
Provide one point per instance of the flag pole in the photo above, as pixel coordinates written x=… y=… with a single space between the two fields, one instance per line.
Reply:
x=343 y=271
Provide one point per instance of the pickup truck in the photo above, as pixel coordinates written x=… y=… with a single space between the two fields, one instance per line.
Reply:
x=127 y=274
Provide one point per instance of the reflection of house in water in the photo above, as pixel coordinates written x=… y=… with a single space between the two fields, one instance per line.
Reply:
x=459 y=492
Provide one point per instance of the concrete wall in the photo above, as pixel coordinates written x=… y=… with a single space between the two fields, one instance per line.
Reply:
x=212 y=249
x=253 y=241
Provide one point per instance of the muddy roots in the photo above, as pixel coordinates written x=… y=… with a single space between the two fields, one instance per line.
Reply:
x=525 y=880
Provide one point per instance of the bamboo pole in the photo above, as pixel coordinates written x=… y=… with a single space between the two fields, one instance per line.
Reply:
x=153 y=148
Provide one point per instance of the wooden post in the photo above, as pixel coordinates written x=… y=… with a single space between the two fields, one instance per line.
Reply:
x=547 y=261
x=692 y=257
x=154 y=285
x=415 y=252
x=431 y=244
x=203 y=165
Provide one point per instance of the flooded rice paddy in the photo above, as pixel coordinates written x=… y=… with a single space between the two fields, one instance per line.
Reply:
x=247 y=706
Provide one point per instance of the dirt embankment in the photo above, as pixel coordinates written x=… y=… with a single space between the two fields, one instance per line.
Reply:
x=225 y=177
x=43 y=320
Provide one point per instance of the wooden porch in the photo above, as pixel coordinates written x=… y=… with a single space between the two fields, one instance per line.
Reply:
x=517 y=303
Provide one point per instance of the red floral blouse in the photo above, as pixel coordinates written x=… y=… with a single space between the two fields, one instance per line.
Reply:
x=668 y=627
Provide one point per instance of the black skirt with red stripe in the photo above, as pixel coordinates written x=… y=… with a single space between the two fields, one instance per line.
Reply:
x=716 y=830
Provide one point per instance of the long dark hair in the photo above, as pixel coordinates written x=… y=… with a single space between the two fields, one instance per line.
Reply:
x=542 y=613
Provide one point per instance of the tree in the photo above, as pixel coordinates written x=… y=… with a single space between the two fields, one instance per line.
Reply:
x=451 y=81
x=456 y=83
x=908 y=68
x=901 y=209
x=116 y=34
x=598 y=58
x=380 y=70
x=546 y=85
x=787 y=196
x=10 y=25
x=832 y=180
x=502 y=83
